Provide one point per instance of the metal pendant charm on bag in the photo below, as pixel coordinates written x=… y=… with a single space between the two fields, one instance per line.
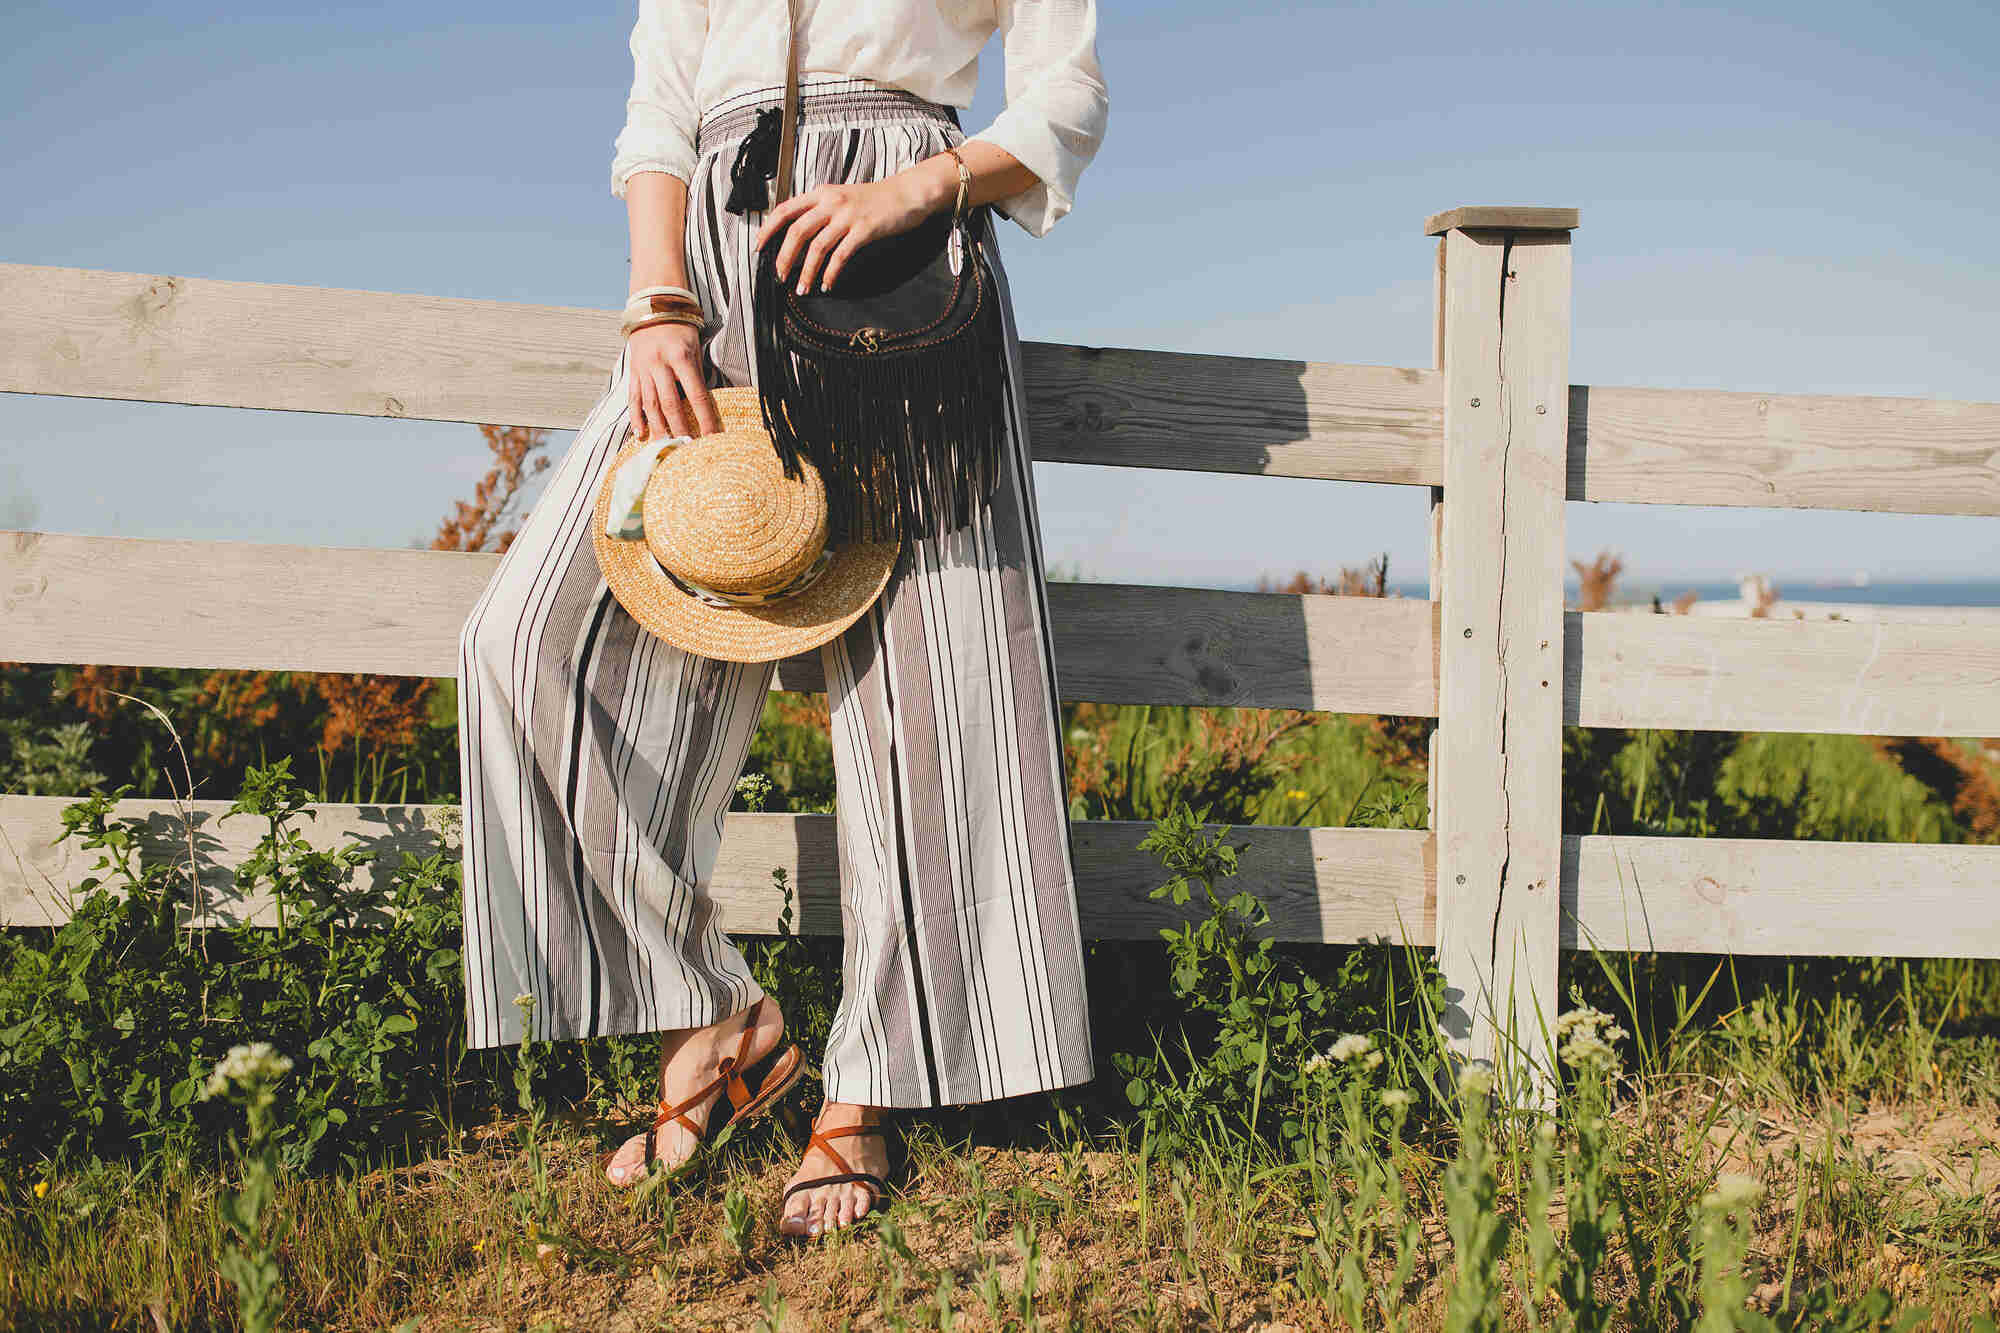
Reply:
x=955 y=249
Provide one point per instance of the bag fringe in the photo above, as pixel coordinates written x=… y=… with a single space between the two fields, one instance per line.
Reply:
x=889 y=473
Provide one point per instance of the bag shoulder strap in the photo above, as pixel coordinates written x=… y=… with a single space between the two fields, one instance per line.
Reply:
x=781 y=188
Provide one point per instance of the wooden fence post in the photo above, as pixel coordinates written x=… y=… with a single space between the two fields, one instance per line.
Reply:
x=1504 y=312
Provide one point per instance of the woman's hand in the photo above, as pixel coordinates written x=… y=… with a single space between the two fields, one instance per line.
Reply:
x=827 y=224
x=668 y=392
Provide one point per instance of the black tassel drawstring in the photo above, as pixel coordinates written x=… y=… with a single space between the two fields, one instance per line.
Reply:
x=756 y=162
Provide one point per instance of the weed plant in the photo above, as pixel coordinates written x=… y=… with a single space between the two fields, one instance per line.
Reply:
x=1276 y=1136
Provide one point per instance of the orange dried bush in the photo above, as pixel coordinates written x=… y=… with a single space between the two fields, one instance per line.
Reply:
x=95 y=689
x=1228 y=764
x=367 y=715
x=802 y=710
x=1369 y=580
x=374 y=714
x=1394 y=742
x=1597 y=581
x=1234 y=745
x=1957 y=776
x=480 y=523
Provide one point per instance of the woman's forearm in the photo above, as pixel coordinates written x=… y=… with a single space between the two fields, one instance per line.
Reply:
x=996 y=174
x=656 y=210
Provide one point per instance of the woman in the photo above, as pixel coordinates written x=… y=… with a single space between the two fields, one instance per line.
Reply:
x=599 y=760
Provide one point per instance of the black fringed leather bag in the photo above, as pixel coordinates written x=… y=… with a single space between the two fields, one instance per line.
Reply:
x=894 y=382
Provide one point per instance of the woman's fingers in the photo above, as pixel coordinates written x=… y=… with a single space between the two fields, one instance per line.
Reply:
x=646 y=415
x=705 y=414
x=823 y=242
x=798 y=236
x=685 y=379
x=777 y=218
x=669 y=393
x=671 y=401
x=852 y=241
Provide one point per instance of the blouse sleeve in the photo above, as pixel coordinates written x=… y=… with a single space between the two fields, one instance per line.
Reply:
x=660 y=114
x=1056 y=103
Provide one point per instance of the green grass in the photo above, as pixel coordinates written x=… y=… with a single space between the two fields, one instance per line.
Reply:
x=1809 y=1143
x=1876 y=1191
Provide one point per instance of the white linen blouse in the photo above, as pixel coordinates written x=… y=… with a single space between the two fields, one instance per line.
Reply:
x=689 y=56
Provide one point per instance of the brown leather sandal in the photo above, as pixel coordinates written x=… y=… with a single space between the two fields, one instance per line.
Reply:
x=878 y=1188
x=747 y=1091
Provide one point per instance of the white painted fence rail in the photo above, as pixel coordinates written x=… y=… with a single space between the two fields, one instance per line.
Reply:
x=1494 y=429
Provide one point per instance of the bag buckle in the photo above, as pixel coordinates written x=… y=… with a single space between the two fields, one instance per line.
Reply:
x=866 y=339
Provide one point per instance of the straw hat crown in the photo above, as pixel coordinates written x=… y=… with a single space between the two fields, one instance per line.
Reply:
x=720 y=512
x=732 y=561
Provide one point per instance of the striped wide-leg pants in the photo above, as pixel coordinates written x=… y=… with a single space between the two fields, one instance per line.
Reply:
x=598 y=760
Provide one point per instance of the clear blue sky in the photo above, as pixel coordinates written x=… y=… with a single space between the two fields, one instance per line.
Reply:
x=1789 y=197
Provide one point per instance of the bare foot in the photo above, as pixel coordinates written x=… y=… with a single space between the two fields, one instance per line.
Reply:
x=811 y=1212
x=689 y=1060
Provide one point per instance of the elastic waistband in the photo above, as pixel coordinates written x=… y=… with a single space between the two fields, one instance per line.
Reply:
x=822 y=104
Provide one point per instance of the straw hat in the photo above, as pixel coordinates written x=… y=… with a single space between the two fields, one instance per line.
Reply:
x=714 y=525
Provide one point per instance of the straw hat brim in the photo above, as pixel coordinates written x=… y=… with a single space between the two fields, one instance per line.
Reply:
x=841 y=595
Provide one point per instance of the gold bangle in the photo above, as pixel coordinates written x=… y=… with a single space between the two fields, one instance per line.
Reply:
x=691 y=317
x=964 y=184
x=656 y=304
x=644 y=292
x=688 y=317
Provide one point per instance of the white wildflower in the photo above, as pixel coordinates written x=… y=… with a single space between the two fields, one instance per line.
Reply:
x=1372 y=1060
x=1351 y=1046
x=1584 y=1039
x=1476 y=1079
x=1397 y=1097
x=525 y=1003
x=1733 y=1191
x=257 y=1062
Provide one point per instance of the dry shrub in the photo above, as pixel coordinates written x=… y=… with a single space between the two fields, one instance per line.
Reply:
x=802 y=710
x=1762 y=594
x=1394 y=742
x=95 y=689
x=1597 y=581
x=1228 y=764
x=1369 y=580
x=374 y=713
x=480 y=523
x=1958 y=778
x=367 y=714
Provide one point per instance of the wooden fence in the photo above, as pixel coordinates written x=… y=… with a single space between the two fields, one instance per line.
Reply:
x=1494 y=430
